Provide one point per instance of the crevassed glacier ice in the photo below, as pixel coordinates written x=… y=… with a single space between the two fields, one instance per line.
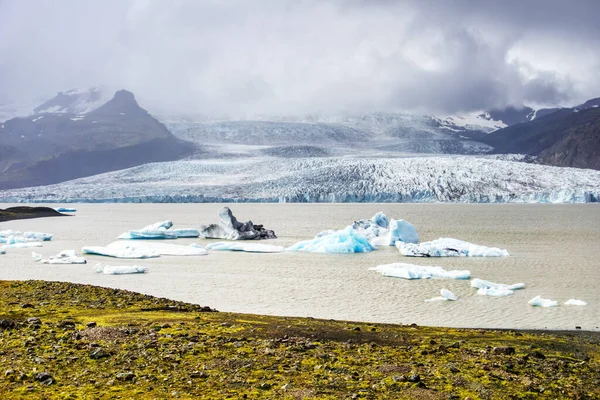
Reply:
x=120 y=269
x=346 y=240
x=64 y=257
x=412 y=271
x=447 y=247
x=483 y=284
x=246 y=247
x=538 y=301
x=494 y=292
x=574 y=302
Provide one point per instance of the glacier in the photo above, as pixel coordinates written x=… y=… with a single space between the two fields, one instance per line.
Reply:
x=412 y=271
x=347 y=240
x=423 y=179
x=447 y=247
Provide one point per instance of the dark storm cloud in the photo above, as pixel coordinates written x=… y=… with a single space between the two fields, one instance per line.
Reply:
x=244 y=58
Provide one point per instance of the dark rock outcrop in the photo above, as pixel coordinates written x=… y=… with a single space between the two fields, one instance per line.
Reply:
x=231 y=229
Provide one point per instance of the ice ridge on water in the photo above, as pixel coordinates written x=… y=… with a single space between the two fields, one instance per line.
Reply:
x=487 y=288
x=412 y=271
x=538 y=301
x=246 y=247
x=160 y=230
x=64 y=257
x=447 y=247
x=471 y=179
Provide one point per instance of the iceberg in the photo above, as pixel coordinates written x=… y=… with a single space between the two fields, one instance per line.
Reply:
x=446 y=247
x=246 y=247
x=573 y=302
x=2 y=251
x=158 y=230
x=25 y=245
x=230 y=228
x=411 y=271
x=537 y=301
x=494 y=292
x=483 y=284
x=446 y=295
x=120 y=269
x=382 y=231
x=38 y=236
x=186 y=232
x=344 y=241
x=122 y=249
x=12 y=237
x=65 y=210
x=64 y=257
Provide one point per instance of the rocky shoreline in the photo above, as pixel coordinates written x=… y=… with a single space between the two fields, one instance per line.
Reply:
x=25 y=212
x=61 y=339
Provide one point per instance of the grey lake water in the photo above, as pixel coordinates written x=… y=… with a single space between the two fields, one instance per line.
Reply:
x=554 y=250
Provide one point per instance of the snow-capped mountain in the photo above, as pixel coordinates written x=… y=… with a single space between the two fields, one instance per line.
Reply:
x=331 y=179
x=75 y=101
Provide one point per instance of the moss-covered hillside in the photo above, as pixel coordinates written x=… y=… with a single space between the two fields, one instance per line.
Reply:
x=62 y=340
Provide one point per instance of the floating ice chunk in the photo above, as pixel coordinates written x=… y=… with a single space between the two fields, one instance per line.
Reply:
x=246 y=247
x=439 y=298
x=483 y=284
x=230 y=228
x=38 y=236
x=537 y=301
x=494 y=292
x=2 y=251
x=403 y=231
x=573 y=302
x=448 y=295
x=446 y=247
x=64 y=257
x=65 y=210
x=120 y=269
x=186 y=233
x=344 y=241
x=411 y=271
x=25 y=245
x=153 y=249
x=130 y=251
x=36 y=256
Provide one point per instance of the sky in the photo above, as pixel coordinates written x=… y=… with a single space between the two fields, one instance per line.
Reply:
x=281 y=57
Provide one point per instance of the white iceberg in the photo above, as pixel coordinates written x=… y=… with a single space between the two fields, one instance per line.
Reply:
x=483 y=284
x=38 y=236
x=160 y=230
x=246 y=247
x=446 y=295
x=65 y=210
x=411 y=271
x=12 y=237
x=25 y=245
x=344 y=241
x=122 y=249
x=120 y=269
x=537 y=301
x=494 y=292
x=64 y=257
x=446 y=247
x=573 y=302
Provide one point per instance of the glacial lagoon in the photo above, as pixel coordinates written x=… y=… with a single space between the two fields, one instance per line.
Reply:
x=553 y=250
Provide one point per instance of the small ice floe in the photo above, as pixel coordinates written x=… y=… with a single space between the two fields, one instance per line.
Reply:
x=537 y=301
x=2 y=251
x=159 y=230
x=122 y=249
x=447 y=247
x=65 y=210
x=64 y=257
x=246 y=247
x=12 y=237
x=25 y=245
x=344 y=241
x=411 y=271
x=446 y=295
x=487 y=288
x=573 y=302
x=120 y=269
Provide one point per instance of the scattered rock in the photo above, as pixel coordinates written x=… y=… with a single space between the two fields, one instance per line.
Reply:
x=414 y=378
x=27 y=305
x=66 y=325
x=91 y=325
x=538 y=354
x=265 y=386
x=98 y=353
x=126 y=376
x=44 y=378
x=504 y=350
x=34 y=321
x=199 y=375
x=7 y=324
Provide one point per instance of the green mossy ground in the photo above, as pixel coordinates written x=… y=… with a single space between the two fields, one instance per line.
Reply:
x=146 y=347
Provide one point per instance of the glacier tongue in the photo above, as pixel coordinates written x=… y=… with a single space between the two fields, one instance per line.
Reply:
x=335 y=179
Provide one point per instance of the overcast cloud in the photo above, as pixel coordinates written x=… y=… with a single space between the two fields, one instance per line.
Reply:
x=244 y=58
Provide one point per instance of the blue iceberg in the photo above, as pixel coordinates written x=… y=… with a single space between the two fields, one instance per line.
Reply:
x=160 y=230
x=65 y=210
x=347 y=240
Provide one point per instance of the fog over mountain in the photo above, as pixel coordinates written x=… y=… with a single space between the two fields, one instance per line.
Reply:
x=242 y=58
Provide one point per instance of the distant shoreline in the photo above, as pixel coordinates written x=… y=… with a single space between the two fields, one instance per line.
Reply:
x=25 y=212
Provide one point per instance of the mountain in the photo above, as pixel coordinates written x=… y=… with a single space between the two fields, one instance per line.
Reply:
x=74 y=101
x=51 y=147
x=569 y=137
